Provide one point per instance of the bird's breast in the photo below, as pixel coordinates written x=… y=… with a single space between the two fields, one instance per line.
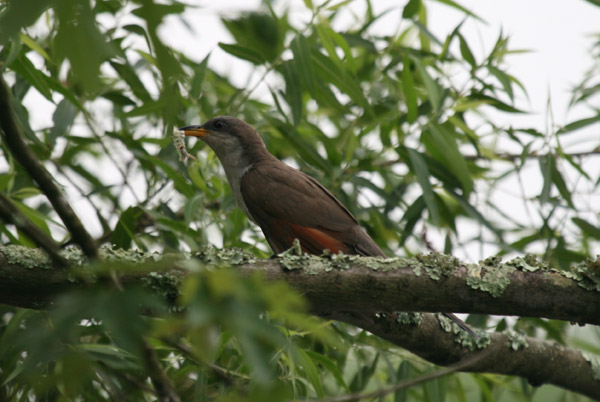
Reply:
x=234 y=177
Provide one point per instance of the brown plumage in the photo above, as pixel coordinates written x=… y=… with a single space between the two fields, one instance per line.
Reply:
x=286 y=203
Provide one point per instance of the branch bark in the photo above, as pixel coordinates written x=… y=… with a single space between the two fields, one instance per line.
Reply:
x=22 y=153
x=351 y=289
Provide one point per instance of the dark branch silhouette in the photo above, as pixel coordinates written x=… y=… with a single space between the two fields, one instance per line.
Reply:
x=11 y=133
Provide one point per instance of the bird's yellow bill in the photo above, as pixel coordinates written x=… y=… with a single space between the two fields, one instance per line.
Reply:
x=195 y=132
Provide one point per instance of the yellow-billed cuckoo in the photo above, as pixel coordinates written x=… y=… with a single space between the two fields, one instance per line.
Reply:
x=286 y=203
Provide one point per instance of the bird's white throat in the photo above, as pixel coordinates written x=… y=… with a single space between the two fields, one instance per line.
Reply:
x=236 y=164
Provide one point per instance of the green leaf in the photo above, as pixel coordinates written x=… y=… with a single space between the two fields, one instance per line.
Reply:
x=403 y=373
x=460 y=8
x=343 y=80
x=23 y=66
x=411 y=8
x=198 y=79
x=433 y=89
x=125 y=230
x=587 y=228
x=361 y=379
x=408 y=88
x=560 y=183
x=293 y=94
x=466 y=52
x=63 y=119
x=33 y=45
x=79 y=40
x=131 y=77
x=576 y=125
x=504 y=79
x=243 y=53
x=420 y=169
x=303 y=63
x=328 y=365
x=260 y=33
x=442 y=145
x=18 y=15
x=310 y=369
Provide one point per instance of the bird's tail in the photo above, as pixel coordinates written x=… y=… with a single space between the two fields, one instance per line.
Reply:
x=461 y=324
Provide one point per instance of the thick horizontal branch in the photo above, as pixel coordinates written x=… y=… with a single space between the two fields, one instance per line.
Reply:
x=429 y=283
x=352 y=289
x=439 y=283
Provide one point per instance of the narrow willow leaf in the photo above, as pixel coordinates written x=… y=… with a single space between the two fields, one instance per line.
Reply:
x=433 y=89
x=343 y=80
x=579 y=124
x=546 y=169
x=465 y=51
x=460 y=8
x=559 y=182
x=124 y=232
x=504 y=79
x=78 y=34
x=587 y=228
x=63 y=118
x=411 y=8
x=408 y=88
x=325 y=36
x=293 y=94
x=420 y=169
x=310 y=369
x=243 y=53
x=35 y=77
x=329 y=365
x=448 y=153
x=198 y=79
x=129 y=75
x=411 y=216
x=303 y=63
x=33 y=45
x=17 y=15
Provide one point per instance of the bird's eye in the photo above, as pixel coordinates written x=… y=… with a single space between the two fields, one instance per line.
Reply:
x=219 y=125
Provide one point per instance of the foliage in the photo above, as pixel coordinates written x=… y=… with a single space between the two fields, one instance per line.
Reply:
x=399 y=125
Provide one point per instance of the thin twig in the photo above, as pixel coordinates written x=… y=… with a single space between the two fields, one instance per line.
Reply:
x=161 y=382
x=500 y=156
x=409 y=383
x=9 y=213
x=13 y=138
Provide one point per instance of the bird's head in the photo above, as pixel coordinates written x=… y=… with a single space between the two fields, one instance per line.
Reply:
x=229 y=137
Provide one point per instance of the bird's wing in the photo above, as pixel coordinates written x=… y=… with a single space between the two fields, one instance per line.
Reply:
x=289 y=204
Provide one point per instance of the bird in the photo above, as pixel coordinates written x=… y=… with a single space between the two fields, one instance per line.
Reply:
x=284 y=202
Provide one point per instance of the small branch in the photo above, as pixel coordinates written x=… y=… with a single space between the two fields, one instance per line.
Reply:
x=460 y=366
x=22 y=153
x=11 y=214
x=504 y=156
x=538 y=361
x=161 y=382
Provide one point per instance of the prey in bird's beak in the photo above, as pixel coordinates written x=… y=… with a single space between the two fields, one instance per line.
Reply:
x=194 y=131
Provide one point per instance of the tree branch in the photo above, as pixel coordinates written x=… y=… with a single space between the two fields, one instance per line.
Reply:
x=22 y=153
x=539 y=362
x=350 y=289
x=9 y=213
x=161 y=382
